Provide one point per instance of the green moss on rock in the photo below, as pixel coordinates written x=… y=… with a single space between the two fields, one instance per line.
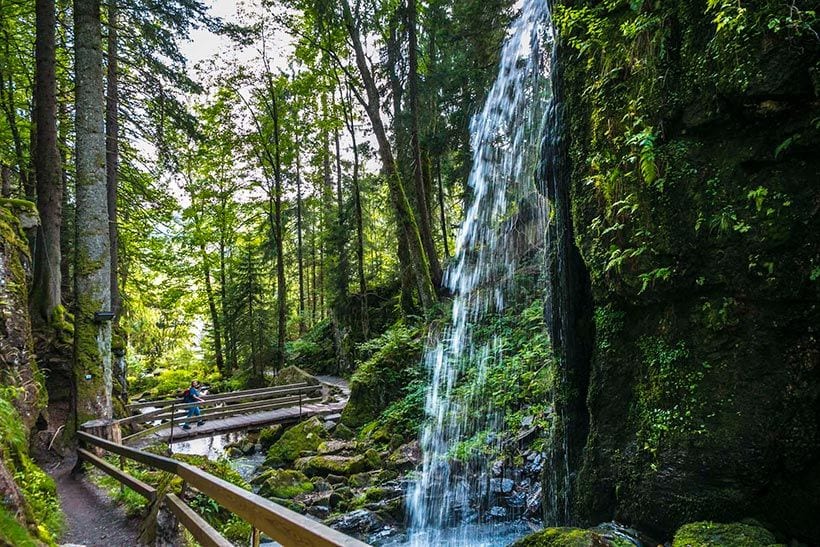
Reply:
x=270 y=435
x=303 y=437
x=569 y=537
x=713 y=534
x=284 y=483
x=333 y=465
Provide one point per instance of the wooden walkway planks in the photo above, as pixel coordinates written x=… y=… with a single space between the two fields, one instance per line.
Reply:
x=246 y=421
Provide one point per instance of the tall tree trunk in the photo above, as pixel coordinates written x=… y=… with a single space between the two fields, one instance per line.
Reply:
x=281 y=288
x=404 y=214
x=67 y=231
x=342 y=275
x=299 y=253
x=313 y=295
x=422 y=192
x=46 y=290
x=209 y=293
x=442 y=213
x=357 y=204
x=92 y=269
x=112 y=137
x=223 y=295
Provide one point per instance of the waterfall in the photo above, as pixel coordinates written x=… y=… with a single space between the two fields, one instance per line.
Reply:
x=446 y=501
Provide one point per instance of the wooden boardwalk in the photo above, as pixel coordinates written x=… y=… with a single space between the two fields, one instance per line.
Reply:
x=241 y=422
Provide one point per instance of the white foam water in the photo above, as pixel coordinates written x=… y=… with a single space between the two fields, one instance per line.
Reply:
x=448 y=504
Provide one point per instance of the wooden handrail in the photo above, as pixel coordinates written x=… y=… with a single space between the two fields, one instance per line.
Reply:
x=228 y=411
x=168 y=402
x=283 y=525
x=203 y=532
x=145 y=490
x=165 y=413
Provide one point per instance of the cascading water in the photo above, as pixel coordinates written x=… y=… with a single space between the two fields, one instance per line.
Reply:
x=447 y=501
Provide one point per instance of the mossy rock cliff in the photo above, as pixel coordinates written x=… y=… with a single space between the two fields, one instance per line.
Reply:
x=30 y=512
x=692 y=134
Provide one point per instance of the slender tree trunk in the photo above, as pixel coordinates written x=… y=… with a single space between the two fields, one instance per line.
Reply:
x=442 y=212
x=299 y=254
x=67 y=231
x=209 y=293
x=422 y=192
x=404 y=214
x=357 y=203
x=92 y=270
x=223 y=298
x=112 y=137
x=281 y=288
x=313 y=297
x=46 y=291
x=342 y=274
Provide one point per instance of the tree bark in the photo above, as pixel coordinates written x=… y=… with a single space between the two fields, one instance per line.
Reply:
x=46 y=290
x=5 y=181
x=112 y=131
x=92 y=269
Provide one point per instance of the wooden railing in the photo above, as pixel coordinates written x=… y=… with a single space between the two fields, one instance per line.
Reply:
x=281 y=524
x=170 y=411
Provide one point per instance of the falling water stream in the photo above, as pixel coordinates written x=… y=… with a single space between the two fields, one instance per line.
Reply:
x=446 y=502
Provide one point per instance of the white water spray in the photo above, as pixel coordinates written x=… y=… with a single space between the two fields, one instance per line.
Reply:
x=446 y=503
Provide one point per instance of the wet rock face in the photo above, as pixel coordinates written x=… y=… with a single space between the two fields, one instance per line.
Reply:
x=704 y=384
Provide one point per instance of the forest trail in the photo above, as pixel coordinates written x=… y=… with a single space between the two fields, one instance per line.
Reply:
x=92 y=517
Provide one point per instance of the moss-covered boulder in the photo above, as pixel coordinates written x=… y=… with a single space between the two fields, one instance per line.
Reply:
x=570 y=537
x=713 y=534
x=270 y=435
x=303 y=437
x=332 y=465
x=284 y=483
x=336 y=447
x=383 y=378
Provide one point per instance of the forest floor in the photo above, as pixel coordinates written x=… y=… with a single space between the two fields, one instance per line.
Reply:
x=91 y=517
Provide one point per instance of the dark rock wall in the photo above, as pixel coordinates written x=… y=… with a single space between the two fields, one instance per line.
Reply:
x=693 y=130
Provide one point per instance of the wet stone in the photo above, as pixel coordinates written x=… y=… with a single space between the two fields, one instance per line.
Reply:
x=501 y=486
x=498 y=512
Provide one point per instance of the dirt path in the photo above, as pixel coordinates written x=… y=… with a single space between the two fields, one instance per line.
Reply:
x=92 y=518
